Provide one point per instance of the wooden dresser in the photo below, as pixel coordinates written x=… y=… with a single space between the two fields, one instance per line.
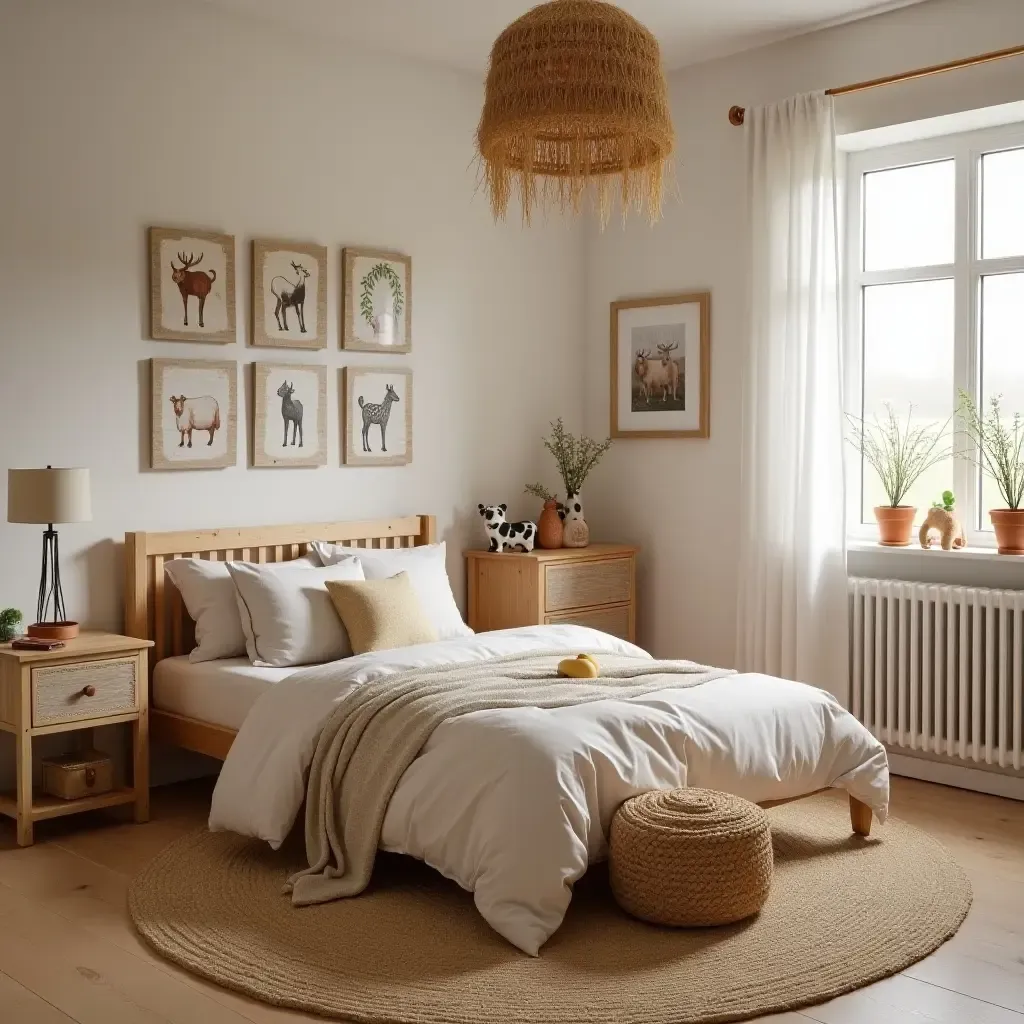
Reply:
x=592 y=586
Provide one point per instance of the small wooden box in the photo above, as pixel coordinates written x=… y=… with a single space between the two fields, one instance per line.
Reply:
x=83 y=773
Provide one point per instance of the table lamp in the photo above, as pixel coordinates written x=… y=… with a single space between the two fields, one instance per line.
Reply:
x=49 y=496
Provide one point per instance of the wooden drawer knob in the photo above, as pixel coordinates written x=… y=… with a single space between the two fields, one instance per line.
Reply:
x=89 y=691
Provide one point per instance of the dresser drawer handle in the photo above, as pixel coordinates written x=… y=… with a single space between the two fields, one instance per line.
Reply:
x=88 y=691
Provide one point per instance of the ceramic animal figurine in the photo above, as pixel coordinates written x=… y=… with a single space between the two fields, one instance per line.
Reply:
x=575 y=532
x=583 y=666
x=949 y=527
x=502 y=534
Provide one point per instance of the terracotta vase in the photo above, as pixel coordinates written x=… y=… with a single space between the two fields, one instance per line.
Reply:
x=1009 y=526
x=895 y=525
x=549 y=526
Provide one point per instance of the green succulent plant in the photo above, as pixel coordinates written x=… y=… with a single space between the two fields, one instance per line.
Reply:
x=10 y=620
x=947 y=503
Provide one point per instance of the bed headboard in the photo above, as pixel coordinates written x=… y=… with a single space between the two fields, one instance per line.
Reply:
x=153 y=609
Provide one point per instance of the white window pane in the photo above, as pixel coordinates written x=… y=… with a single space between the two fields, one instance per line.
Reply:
x=909 y=216
x=1002 y=361
x=908 y=361
x=1002 y=204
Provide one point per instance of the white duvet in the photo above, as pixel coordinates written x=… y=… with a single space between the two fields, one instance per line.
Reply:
x=513 y=804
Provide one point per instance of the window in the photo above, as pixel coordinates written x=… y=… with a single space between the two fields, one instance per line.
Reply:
x=935 y=269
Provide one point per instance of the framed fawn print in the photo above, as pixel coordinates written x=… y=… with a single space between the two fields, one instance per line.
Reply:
x=191 y=285
x=661 y=366
x=377 y=416
x=289 y=294
x=289 y=414
x=194 y=413
x=376 y=301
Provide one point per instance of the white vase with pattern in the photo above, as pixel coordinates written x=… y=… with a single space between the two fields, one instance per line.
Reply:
x=575 y=532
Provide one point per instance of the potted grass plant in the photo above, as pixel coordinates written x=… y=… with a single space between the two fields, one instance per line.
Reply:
x=900 y=454
x=997 y=447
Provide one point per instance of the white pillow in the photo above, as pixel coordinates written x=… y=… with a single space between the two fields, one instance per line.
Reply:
x=427 y=574
x=212 y=602
x=287 y=616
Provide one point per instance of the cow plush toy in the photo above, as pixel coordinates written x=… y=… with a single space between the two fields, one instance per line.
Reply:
x=506 y=535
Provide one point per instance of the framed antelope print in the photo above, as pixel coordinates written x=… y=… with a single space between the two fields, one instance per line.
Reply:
x=377 y=416
x=194 y=421
x=191 y=285
x=289 y=294
x=376 y=301
x=289 y=414
x=661 y=366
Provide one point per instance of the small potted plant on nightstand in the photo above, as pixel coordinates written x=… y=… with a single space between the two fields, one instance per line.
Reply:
x=900 y=454
x=10 y=620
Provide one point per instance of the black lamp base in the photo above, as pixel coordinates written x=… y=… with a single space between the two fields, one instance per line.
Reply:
x=59 y=627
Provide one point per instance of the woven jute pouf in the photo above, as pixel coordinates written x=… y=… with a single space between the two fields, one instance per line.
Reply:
x=689 y=857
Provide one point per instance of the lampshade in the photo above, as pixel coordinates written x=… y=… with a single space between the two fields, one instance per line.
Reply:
x=48 y=496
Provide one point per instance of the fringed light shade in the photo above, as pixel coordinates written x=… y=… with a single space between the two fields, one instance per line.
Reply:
x=575 y=95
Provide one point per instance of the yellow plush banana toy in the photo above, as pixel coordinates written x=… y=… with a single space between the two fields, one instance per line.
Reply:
x=583 y=666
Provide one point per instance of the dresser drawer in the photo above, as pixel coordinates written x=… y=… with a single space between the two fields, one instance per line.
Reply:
x=90 y=689
x=608 y=620
x=584 y=584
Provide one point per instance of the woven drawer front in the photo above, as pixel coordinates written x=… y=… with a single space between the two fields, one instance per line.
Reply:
x=580 y=584
x=608 y=620
x=59 y=691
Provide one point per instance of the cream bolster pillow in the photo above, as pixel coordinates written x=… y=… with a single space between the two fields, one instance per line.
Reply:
x=287 y=616
x=212 y=602
x=427 y=574
x=380 y=615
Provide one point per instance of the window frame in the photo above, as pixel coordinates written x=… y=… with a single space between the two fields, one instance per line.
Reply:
x=966 y=149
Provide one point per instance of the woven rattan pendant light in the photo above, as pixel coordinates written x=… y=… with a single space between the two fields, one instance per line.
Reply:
x=575 y=96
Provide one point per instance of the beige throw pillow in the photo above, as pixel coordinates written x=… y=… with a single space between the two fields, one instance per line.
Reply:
x=381 y=614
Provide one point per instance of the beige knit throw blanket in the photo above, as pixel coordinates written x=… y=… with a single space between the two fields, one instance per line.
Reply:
x=379 y=728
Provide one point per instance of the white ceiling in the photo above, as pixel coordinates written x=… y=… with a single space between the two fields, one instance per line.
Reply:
x=459 y=33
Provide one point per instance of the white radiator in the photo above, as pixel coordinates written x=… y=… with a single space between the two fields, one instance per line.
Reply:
x=938 y=669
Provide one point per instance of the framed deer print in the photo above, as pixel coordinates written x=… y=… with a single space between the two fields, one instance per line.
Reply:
x=191 y=285
x=289 y=414
x=661 y=366
x=194 y=421
x=376 y=301
x=377 y=416
x=289 y=294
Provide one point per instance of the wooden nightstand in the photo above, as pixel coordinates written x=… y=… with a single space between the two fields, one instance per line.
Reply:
x=96 y=679
x=591 y=586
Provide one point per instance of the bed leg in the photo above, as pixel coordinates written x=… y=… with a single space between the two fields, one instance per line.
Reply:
x=860 y=817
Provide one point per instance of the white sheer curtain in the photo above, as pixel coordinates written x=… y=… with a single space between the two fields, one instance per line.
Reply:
x=792 y=583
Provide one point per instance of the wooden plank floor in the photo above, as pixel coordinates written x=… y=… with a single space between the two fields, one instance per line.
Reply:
x=68 y=951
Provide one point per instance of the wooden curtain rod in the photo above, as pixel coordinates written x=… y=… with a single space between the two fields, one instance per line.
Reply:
x=736 y=114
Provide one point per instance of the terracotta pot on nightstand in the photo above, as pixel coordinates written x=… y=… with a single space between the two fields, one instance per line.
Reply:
x=549 y=526
x=895 y=525
x=1009 y=526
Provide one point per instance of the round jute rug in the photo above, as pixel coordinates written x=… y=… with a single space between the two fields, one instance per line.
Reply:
x=843 y=912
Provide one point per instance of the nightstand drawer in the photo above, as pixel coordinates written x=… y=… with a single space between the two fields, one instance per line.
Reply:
x=91 y=689
x=608 y=620
x=585 y=584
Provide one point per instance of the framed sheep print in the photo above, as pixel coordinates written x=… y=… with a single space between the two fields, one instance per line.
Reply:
x=194 y=403
x=289 y=294
x=289 y=415
x=376 y=301
x=661 y=366
x=191 y=285
x=377 y=416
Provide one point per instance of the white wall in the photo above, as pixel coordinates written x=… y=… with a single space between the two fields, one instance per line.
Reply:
x=679 y=499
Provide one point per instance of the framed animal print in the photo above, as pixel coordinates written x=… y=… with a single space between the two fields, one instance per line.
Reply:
x=194 y=421
x=376 y=301
x=377 y=416
x=289 y=415
x=661 y=366
x=289 y=294
x=191 y=285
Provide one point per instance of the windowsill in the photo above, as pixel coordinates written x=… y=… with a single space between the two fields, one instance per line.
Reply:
x=915 y=551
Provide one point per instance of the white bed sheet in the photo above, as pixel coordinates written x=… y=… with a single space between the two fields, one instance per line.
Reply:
x=219 y=692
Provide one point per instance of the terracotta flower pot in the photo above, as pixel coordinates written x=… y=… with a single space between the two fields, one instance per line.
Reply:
x=549 y=526
x=1009 y=526
x=895 y=525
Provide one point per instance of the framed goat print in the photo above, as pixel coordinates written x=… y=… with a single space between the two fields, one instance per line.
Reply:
x=376 y=301
x=194 y=421
x=289 y=415
x=661 y=366
x=191 y=286
x=377 y=416
x=289 y=294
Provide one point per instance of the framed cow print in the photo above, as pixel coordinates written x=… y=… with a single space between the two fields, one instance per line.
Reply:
x=191 y=285
x=376 y=301
x=289 y=414
x=377 y=416
x=194 y=420
x=289 y=294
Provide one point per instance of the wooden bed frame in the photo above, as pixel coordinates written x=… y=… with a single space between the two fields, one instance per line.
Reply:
x=154 y=609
